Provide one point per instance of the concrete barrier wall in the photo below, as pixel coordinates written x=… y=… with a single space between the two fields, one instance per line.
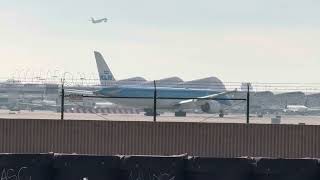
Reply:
x=67 y=167
x=26 y=166
x=162 y=138
x=197 y=168
x=86 y=167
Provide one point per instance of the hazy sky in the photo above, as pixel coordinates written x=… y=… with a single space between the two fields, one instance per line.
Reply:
x=247 y=40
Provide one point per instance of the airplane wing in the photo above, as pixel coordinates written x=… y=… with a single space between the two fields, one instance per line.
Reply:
x=314 y=109
x=30 y=104
x=202 y=100
x=78 y=92
x=78 y=95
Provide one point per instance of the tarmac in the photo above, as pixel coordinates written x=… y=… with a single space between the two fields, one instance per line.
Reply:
x=166 y=117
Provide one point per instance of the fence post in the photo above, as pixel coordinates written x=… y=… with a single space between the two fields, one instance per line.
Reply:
x=62 y=100
x=248 y=103
x=155 y=102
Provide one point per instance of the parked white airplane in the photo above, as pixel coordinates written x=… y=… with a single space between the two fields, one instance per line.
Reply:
x=103 y=105
x=95 y=21
x=299 y=109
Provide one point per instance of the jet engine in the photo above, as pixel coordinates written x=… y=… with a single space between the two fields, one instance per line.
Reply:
x=211 y=107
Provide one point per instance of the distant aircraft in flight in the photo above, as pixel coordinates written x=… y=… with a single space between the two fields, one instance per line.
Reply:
x=95 y=21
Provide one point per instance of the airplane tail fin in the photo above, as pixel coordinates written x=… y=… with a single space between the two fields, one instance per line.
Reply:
x=104 y=71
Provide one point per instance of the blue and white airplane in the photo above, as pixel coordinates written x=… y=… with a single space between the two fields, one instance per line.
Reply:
x=185 y=97
x=178 y=99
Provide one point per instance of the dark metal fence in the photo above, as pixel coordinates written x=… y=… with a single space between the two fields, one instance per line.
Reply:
x=163 y=138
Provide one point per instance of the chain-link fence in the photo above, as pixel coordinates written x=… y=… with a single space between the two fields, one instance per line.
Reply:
x=199 y=101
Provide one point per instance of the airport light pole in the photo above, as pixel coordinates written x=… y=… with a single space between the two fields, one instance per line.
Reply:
x=155 y=102
x=56 y=75
x=25 y=76
x=48 y=77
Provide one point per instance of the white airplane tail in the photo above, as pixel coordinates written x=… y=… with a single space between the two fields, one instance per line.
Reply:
x=104 y=71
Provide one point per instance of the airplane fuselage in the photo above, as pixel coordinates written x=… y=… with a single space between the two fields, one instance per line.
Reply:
x=141 y=93
x=296 y=108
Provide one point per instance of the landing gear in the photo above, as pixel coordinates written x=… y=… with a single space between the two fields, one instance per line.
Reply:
x=149 y=112
x=180 y=114
x=221 y=114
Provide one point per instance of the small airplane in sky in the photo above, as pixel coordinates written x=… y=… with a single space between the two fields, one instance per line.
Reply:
x=95 y=21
